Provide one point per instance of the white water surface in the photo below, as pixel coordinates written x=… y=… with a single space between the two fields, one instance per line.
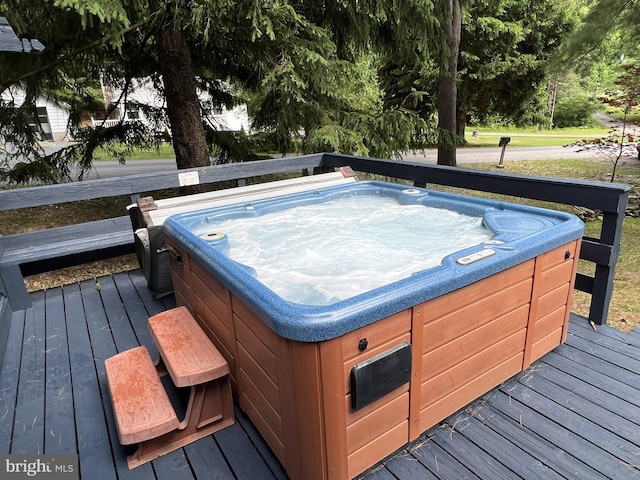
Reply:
x=323 y=253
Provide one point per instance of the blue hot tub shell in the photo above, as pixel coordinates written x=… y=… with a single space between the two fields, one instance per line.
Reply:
x=520 y=233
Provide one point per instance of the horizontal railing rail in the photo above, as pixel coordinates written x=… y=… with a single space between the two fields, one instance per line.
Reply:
x=136 y=185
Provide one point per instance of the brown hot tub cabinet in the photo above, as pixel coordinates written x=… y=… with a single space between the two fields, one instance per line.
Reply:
x=462 y=344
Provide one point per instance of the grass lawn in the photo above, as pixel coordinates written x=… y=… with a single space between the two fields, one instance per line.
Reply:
x=531 y=137
x=164 y=150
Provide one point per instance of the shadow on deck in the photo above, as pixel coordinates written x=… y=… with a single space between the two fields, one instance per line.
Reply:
x=574 y=414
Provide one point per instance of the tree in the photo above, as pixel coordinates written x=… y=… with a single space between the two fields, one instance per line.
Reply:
x=502 y=66
x=602 y=19
x=69 y=68
x=298 y=59
x=505 y=58
x=571 y=102
x=335 y=118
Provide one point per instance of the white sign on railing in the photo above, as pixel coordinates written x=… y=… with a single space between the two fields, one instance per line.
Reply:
x=188 y=178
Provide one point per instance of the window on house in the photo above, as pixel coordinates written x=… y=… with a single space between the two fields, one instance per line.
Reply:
x=132 y=111
x=43 y=123
x=213 y=111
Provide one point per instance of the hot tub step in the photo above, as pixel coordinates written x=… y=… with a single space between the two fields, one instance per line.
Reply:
x=141 y=406
x=142 y=409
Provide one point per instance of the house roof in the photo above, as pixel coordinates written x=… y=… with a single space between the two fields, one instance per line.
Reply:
x=9 y=41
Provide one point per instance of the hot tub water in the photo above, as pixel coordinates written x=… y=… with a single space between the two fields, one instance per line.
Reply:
x=322 y=253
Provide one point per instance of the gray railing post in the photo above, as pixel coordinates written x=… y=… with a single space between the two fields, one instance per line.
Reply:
x=602 y=289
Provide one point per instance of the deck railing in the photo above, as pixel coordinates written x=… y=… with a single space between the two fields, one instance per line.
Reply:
x=609 y=198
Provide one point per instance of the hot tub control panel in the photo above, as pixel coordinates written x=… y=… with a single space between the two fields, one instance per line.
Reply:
x=475 y=257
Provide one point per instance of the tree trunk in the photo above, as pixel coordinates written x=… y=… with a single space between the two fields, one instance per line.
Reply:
x=183 y=106
x=554 y=97
x=447 y=89
x=461 y=121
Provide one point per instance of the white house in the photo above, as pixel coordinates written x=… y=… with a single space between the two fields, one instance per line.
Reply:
x=143 y=92
x=53 y=117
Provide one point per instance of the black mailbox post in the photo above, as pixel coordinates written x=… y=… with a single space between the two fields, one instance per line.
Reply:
x=504 y=141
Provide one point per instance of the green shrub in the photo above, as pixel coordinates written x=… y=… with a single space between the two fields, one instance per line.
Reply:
x=575 y=111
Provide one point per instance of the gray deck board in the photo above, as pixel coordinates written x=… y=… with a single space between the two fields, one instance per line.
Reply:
x=574 y=414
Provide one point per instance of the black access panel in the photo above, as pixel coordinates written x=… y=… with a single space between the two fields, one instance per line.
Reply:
x=379 y=375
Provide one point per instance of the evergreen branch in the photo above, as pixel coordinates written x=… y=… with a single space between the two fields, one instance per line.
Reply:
x=608 y=26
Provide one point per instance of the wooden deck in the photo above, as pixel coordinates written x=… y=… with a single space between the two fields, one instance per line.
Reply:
x=573 y=414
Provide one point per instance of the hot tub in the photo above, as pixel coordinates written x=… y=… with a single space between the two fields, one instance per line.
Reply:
x=336 y=385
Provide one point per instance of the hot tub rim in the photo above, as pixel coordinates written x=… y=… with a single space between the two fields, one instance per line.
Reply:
x=312 y=323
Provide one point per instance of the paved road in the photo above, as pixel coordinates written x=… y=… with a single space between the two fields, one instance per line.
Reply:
x=489 y=155
x=106 y=169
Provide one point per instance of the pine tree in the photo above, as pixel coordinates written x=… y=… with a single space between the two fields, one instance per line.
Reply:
x=298 y=61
